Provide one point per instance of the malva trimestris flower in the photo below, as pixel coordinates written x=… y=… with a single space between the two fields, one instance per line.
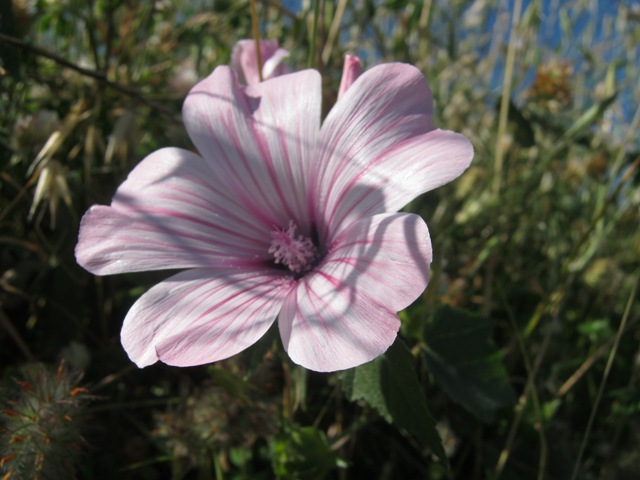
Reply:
x=280 y=217
x=244 y=60
x=350 y=73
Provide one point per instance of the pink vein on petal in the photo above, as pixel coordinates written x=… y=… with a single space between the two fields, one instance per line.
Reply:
x=177 y=318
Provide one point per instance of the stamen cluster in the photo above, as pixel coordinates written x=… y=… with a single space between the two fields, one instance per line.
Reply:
x=295 y=251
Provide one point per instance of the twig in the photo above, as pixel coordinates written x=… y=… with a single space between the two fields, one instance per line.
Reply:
x=532 y=373
x=587 y=364
x=22 y=191
x=506 y=94
x=112 y=377
x=314 y=35
x=96 y=75
x=333 y=31
x=255 y=28
x=15 y=335
x=423 y=23
x=530 y=387
x=560 y=291
x=605 y=376
x=605 y=471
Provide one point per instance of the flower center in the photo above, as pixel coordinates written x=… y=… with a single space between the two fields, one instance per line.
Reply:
x=295 y=251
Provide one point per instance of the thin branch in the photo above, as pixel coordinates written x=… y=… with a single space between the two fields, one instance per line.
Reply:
x=255 y=28
x=506 y=95
x=532 y=373
x=588 y=363
x=333 y=31
x=15 y=335
x=314 y=35
x=530 y=387
x=605 y=376
x=96 y=75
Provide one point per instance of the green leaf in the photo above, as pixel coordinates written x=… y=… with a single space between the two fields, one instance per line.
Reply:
x=519 y=125
x=302 y=453
x=390 y=385
x=254 y=356
x=590 y=116
x=465 y=362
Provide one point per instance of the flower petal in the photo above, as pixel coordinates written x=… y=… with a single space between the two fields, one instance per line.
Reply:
x=244 y=60
x=379 y=150
x=201 y=316
x=350 y=73
x=259 y=139
x=169 y=214
x=273 y=66
x=344 y=313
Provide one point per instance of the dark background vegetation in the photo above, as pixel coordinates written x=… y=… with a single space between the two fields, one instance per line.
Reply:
x=525 y=344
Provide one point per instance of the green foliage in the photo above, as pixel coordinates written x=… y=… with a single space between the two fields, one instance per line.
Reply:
x=302 y=454
x=41 y=423
x=389 y=384
x=463 y=359
x=534 y=260
x=589 y=117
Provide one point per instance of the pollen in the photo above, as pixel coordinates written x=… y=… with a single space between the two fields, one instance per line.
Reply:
x=293 y=250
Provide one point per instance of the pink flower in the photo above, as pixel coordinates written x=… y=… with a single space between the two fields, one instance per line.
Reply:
x=244 y=60
x=350 y=73
x=280 y=217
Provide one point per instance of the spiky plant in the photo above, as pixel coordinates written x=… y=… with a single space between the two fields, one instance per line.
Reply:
x=41 y=423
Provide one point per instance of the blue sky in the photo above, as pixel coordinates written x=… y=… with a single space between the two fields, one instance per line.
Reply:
x=582 y=32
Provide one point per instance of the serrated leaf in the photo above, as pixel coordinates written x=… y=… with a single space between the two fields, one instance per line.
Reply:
x=463 y=359
x=389 y=384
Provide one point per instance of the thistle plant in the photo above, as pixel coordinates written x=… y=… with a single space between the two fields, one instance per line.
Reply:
x=40 y=423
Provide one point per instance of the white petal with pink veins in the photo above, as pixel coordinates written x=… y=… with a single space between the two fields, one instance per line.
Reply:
x=244 y=60
x=344 y=313
x=259 y=139
x=202 y=315
x=378 y=149
x=171 y=212
x=280 y=217
x=273 y=65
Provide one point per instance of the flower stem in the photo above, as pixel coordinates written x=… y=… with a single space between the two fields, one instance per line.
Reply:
x=314 y=34
x=605 y=376
x=256 y=35
x=333 y=31
x=506 y=93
